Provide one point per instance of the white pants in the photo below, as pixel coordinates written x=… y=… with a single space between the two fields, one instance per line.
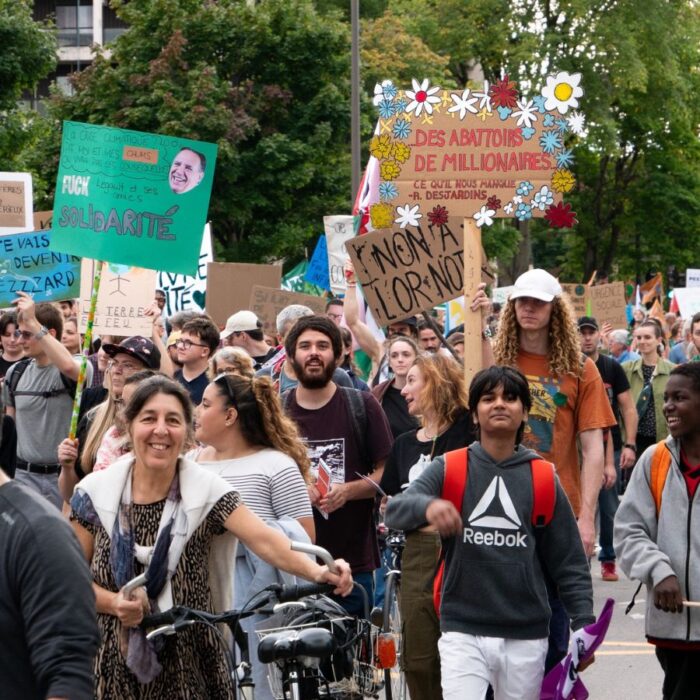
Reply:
x=469 y=664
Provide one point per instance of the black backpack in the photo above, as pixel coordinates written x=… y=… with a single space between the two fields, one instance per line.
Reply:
x=15 y=374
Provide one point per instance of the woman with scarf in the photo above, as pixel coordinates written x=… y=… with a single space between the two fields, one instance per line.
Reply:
x=434 y=392
x=158 y=509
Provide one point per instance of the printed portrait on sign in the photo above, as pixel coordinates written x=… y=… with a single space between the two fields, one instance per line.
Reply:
x=186 y=170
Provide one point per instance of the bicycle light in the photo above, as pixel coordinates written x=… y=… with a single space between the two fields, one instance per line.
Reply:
x=386 y=650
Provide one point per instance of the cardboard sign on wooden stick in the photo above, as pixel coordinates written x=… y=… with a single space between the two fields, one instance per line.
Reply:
x=608 y=304
x=267 y=302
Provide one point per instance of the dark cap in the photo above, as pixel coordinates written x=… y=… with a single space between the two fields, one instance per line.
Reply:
x=587 y=322
x=138 y=347
x=410 y=321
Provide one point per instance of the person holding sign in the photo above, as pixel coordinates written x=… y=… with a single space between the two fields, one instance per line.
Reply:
x=187 y=170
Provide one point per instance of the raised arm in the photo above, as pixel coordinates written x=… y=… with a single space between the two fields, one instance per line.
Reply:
x=360 y=330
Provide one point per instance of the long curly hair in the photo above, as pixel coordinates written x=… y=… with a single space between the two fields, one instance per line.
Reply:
x=261 y=418
x=564 y=344
x=445 y=391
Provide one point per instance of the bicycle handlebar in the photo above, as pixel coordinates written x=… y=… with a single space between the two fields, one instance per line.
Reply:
x=316 y=551
x=291 y=593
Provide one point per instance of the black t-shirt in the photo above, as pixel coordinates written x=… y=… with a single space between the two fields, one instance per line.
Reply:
x=396 y=411
x=616 y=383
x=5 y=365
x=196 y=387
x=349 y=532
x=409 y=456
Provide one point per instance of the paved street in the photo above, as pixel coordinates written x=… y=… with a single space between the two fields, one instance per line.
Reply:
x=626 y=667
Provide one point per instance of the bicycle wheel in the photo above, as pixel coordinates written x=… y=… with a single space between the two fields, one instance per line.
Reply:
x=395 y=681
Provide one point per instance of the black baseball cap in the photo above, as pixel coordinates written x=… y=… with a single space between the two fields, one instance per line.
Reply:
x=588 y=322
x=139 y=348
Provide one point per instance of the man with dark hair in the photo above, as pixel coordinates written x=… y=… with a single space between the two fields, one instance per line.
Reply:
x=11 y=347
x=187 y=170
x=348 y=437
x=427 y=338
x=334 y=310
x=244 y=330
x=48 y=627
x=39 y=395
x=68 y=308
x=197 y=343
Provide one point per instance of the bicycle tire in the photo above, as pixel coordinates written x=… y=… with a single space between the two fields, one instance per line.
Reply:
x=394 y=678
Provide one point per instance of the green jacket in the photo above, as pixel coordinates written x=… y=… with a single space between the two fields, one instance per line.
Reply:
x=633 y=370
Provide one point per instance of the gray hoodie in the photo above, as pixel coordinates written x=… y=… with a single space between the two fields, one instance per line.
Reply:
x=649 y=550
x=495 y=584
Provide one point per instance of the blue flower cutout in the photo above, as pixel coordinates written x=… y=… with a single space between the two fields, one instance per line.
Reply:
x=565 y=159
x=523 y=212
x=550 y=141
x=389 y=91
x=504 y=112
x=388 y=190
x=386 y=109
x=548 y=120
x=527 y=132
x=524 y=188
x=543 y=198
x=562 y=125
x=402 y=129
x=539 y=101
x=400 y=105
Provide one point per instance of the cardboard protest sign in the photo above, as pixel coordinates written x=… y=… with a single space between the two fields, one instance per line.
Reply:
x=608 y=304
x=42 y=220
x=339 y=230
x=407 y=270
x=125 y=294
x=317 y=271
x=229 y=286
x=184 y=292
x=27 y=265
x=578 y=296
x=692 y=277
x=16 y=203
x=267 y=302
x=480 y=154
x=132 y=198
x=688 y=299
x=499 y=295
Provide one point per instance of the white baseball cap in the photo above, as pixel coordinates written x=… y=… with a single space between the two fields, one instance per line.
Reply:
x=537 y=284
x=239 y=322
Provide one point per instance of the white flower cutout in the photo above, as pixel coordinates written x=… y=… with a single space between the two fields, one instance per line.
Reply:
x=408 y=215
x=484 y=217
x=526 y=114
x=381 y=90
x=577 y=123
x=562 y=91
x=422 y=97
x=463 y=103
x=484 y=97
x=508 y=208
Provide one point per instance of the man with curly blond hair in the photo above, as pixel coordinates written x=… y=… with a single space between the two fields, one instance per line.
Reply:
x=538 y=335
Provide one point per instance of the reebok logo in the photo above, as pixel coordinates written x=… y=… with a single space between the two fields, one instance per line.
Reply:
x=495 y=510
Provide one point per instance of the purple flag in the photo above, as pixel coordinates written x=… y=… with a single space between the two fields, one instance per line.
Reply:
x=563 y=682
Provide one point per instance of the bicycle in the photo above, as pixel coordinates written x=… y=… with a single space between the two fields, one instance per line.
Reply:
x=318 y=652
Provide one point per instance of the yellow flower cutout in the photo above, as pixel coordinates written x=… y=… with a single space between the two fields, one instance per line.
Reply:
x=381 y=215
x=380 y=146
x=401 y=152
x=389 y=170
x=563 y=181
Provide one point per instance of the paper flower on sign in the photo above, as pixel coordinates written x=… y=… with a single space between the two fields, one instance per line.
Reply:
x=562 y=91
x=504 y=93
x=386 y=90
x=380 y=146
x=483 y=97
x=438 y=216
x=508 y=208
x=543 y=198
x=389 y=170
x=463 y=103
x=381 y=215
x=386 y=109
x=560 y=215
x=408 y=215
x=422 y=97
x=550 y=141
x=523 y=212
x=484 y=217
x=524 y=188
x=388 y=190
x=493 y=202
x=563 y=181
x=402 y=129
x=577 y=123
x=401 y=152
x=526 y=113
x=565 y=159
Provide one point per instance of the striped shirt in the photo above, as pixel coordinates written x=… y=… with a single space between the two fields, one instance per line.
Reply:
x=269 y=482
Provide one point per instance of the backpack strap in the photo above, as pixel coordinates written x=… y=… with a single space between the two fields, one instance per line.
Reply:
x=544 y=493
x=286 y=397
x=18 y=369
x=358 y=415
x=660 y=464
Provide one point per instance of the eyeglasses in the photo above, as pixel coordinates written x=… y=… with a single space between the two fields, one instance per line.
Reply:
x=115 y=366
x=25 y=335
x=187 y=344
x=222 y=380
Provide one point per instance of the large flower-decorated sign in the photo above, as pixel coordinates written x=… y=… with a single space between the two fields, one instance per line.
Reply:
x=481 y=154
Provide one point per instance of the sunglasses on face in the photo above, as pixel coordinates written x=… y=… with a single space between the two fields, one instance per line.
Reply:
x=24 y=335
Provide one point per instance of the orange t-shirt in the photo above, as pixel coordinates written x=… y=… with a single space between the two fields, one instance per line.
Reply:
x=561 y=409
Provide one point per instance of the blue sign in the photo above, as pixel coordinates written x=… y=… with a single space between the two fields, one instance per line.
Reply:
x=27 y=265
x=317 y=272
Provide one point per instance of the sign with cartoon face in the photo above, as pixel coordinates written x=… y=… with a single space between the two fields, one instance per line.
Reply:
x=132 y=198
x=475 y=153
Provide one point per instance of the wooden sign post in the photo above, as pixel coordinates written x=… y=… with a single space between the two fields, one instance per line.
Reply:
x=472 y=319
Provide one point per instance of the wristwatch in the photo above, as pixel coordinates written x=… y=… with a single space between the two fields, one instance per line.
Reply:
x=41 y=333
x=630 y=446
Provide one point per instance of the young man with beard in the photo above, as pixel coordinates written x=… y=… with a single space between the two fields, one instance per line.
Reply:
x=346 y=430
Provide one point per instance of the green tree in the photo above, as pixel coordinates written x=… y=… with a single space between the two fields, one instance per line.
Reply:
x=268 y=83
x=27 y=54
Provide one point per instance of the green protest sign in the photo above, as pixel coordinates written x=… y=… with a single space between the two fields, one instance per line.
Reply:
x=133 y=198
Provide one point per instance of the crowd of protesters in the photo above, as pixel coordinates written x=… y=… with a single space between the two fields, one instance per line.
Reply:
x=198 y=436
